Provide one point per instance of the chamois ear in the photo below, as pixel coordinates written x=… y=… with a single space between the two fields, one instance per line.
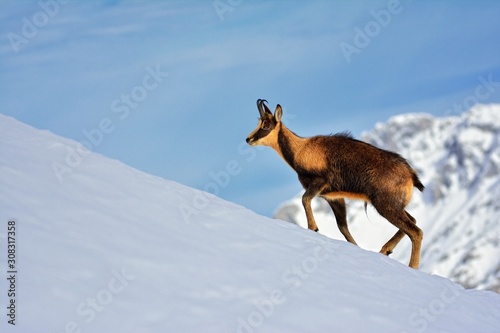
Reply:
x=278 y=113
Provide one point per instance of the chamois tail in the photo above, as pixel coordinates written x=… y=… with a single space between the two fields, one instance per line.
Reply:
x=417 y=183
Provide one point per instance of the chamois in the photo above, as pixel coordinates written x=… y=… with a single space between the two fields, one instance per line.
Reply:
x=338 y=166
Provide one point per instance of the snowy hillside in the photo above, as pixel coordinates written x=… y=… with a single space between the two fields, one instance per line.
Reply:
x=106 y=248
x=458 y=159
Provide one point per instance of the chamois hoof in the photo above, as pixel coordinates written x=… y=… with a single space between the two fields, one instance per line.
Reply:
x=316 y=230
x=387 y=253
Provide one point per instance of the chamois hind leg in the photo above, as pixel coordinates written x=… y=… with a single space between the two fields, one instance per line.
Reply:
x=393 y=242
x=338 y=207
x=401 y=220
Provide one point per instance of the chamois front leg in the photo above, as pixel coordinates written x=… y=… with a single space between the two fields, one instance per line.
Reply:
x=309 y=194
x=338 y=207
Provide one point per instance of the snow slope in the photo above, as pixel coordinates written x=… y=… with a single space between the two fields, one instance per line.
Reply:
x=106 y=248
x=458 y=160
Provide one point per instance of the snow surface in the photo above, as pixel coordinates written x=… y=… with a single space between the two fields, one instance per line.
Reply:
x=458 y=160
x=108 y=248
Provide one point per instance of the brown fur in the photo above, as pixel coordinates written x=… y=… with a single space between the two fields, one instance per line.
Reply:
x=338 y=166
x=348 y=195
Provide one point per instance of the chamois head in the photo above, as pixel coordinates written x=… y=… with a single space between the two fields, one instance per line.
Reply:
x=266 y=131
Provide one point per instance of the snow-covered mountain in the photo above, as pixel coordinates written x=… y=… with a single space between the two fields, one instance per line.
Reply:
x=458 y=160
x=107 y=248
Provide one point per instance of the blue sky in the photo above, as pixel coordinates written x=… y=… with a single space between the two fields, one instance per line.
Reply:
x=172 y=85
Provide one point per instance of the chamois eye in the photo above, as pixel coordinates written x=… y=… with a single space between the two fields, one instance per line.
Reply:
x=266 y=125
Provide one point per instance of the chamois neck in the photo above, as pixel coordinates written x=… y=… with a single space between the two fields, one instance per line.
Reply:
x=289 y=145
x=291 y=136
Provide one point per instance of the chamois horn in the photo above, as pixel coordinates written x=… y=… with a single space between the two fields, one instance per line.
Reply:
x=261 y=106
